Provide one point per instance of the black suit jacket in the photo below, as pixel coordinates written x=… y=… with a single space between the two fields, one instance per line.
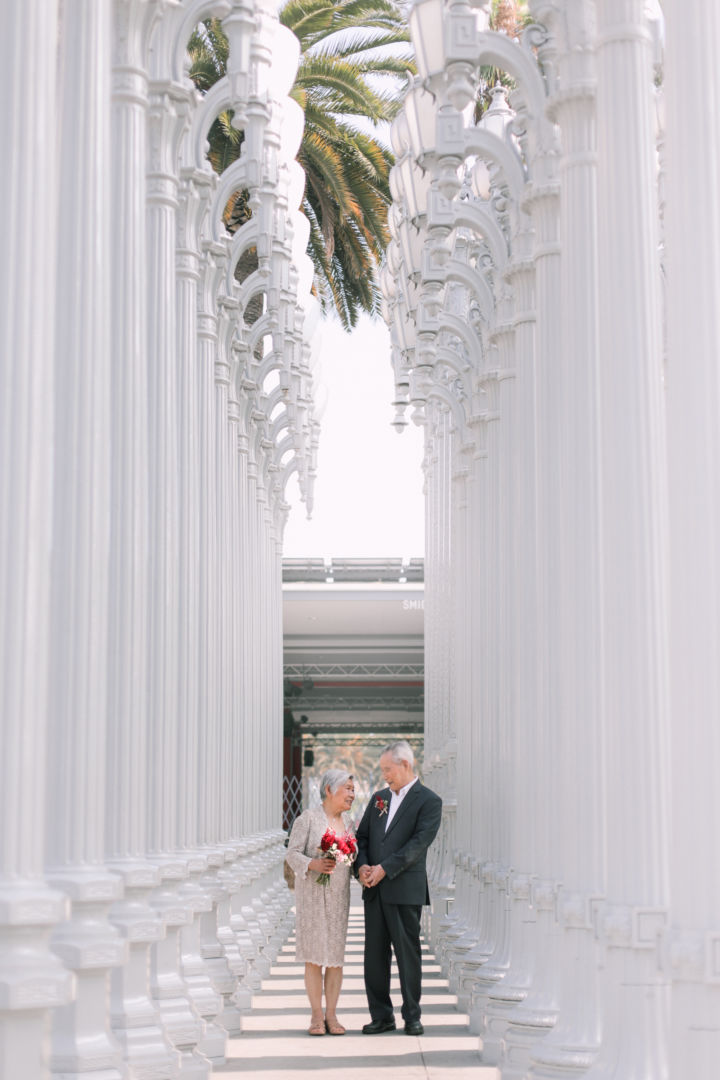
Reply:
x=402 y=850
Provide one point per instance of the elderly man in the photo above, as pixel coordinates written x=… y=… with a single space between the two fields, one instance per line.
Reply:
x=400 y=823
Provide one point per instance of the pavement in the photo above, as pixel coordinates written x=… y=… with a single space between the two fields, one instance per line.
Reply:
x=275 y=1044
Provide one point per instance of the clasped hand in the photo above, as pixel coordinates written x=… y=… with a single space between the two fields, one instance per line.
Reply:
x=323 y=865
x=371 y=875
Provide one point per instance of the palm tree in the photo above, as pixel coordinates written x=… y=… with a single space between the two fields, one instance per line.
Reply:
x=352 y=54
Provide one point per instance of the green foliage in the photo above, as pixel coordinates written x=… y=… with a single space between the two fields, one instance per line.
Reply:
x=353 y=53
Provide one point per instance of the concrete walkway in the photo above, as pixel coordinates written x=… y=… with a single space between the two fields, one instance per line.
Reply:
x=275 y=1043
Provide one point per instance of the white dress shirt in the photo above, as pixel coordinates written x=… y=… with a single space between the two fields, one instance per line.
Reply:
x=395 y=799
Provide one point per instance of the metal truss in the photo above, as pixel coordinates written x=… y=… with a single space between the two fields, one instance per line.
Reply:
x=364 y=703
x=351 y=671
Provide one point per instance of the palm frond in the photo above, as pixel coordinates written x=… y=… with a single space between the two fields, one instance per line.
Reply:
x=354 y=57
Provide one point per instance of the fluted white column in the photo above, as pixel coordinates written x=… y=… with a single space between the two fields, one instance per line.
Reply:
x=475 y=778
x=463 y=935
x=517 y=557
x=430 y=602
x=187 y=264
x=246 y=765
x=165 y=742
x=439 y=663
x=633 y=524
x=276 y=755
x=463 y=666
x=447 y=903
x=498 y=737
x=235 y=719
x=32 y=980
x=209 y=628
x=577 y=806
x=269 y=720
x=162 y=407
x=222 y=560
x=693 y=328
x=219 y=948
x=273 y=677
x=87 y=942
x=447 y=701
x=207 y=632
x=536 y=1014
x=519 y=426
x=189 y=632
x=134 y=1018
x=253 y=652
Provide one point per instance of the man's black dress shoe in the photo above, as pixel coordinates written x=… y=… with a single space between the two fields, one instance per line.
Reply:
x=375 y=1027
x=414 y=1027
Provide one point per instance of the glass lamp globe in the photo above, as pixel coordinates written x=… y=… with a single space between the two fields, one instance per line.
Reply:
x=412 y=241
x=415 y=186
x=296 y=185
x=291 y=130
x=306 y=272
x=428 y=35
x=392 y=256
x=396 y=189
x=394 y=219
x=285 y=60
x=399 y=135
x=301 y=235
x=419 y=108
x=480 y=179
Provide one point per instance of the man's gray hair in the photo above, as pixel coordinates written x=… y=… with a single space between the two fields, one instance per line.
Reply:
x=331 y=780
x=400 y=751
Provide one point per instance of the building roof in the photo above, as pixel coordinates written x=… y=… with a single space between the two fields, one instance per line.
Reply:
x=353 y=645
x=336 y=570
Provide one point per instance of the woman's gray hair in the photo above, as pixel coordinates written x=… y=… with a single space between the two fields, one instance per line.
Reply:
x=331 y=780
x=400 y=751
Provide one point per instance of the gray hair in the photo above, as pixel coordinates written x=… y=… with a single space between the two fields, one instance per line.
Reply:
x=331 y=780
x=400 y=751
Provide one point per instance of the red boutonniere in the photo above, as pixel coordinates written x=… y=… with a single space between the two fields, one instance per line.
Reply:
x=381 y=805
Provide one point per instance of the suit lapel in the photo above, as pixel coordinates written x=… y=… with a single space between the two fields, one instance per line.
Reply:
x=409 y=798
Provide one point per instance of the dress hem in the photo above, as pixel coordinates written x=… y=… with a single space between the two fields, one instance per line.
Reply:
x=317 y=963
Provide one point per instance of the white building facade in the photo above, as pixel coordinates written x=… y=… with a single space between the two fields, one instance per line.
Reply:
x=552 y=290
x=153 y=403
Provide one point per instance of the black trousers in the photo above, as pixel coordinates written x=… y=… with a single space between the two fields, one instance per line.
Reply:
x=396 y=925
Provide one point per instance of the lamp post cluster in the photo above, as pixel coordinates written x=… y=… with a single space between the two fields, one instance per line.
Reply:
x=155 y=397
x=551 y=288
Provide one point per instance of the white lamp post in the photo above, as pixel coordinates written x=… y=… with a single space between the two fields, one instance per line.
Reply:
x=419 y=110
x=445 y=43
x=240 y=25
x=427 y=26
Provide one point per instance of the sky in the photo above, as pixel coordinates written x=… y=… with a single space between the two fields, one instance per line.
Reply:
x=368 y=492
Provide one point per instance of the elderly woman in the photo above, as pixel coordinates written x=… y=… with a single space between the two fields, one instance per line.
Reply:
x=322 y=909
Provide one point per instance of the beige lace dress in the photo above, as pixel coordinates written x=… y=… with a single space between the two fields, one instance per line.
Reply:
x=321 y=911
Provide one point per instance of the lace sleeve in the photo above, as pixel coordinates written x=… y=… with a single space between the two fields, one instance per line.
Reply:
x=296 y=857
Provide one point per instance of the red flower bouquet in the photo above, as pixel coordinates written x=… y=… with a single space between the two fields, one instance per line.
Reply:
x=342 y=849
